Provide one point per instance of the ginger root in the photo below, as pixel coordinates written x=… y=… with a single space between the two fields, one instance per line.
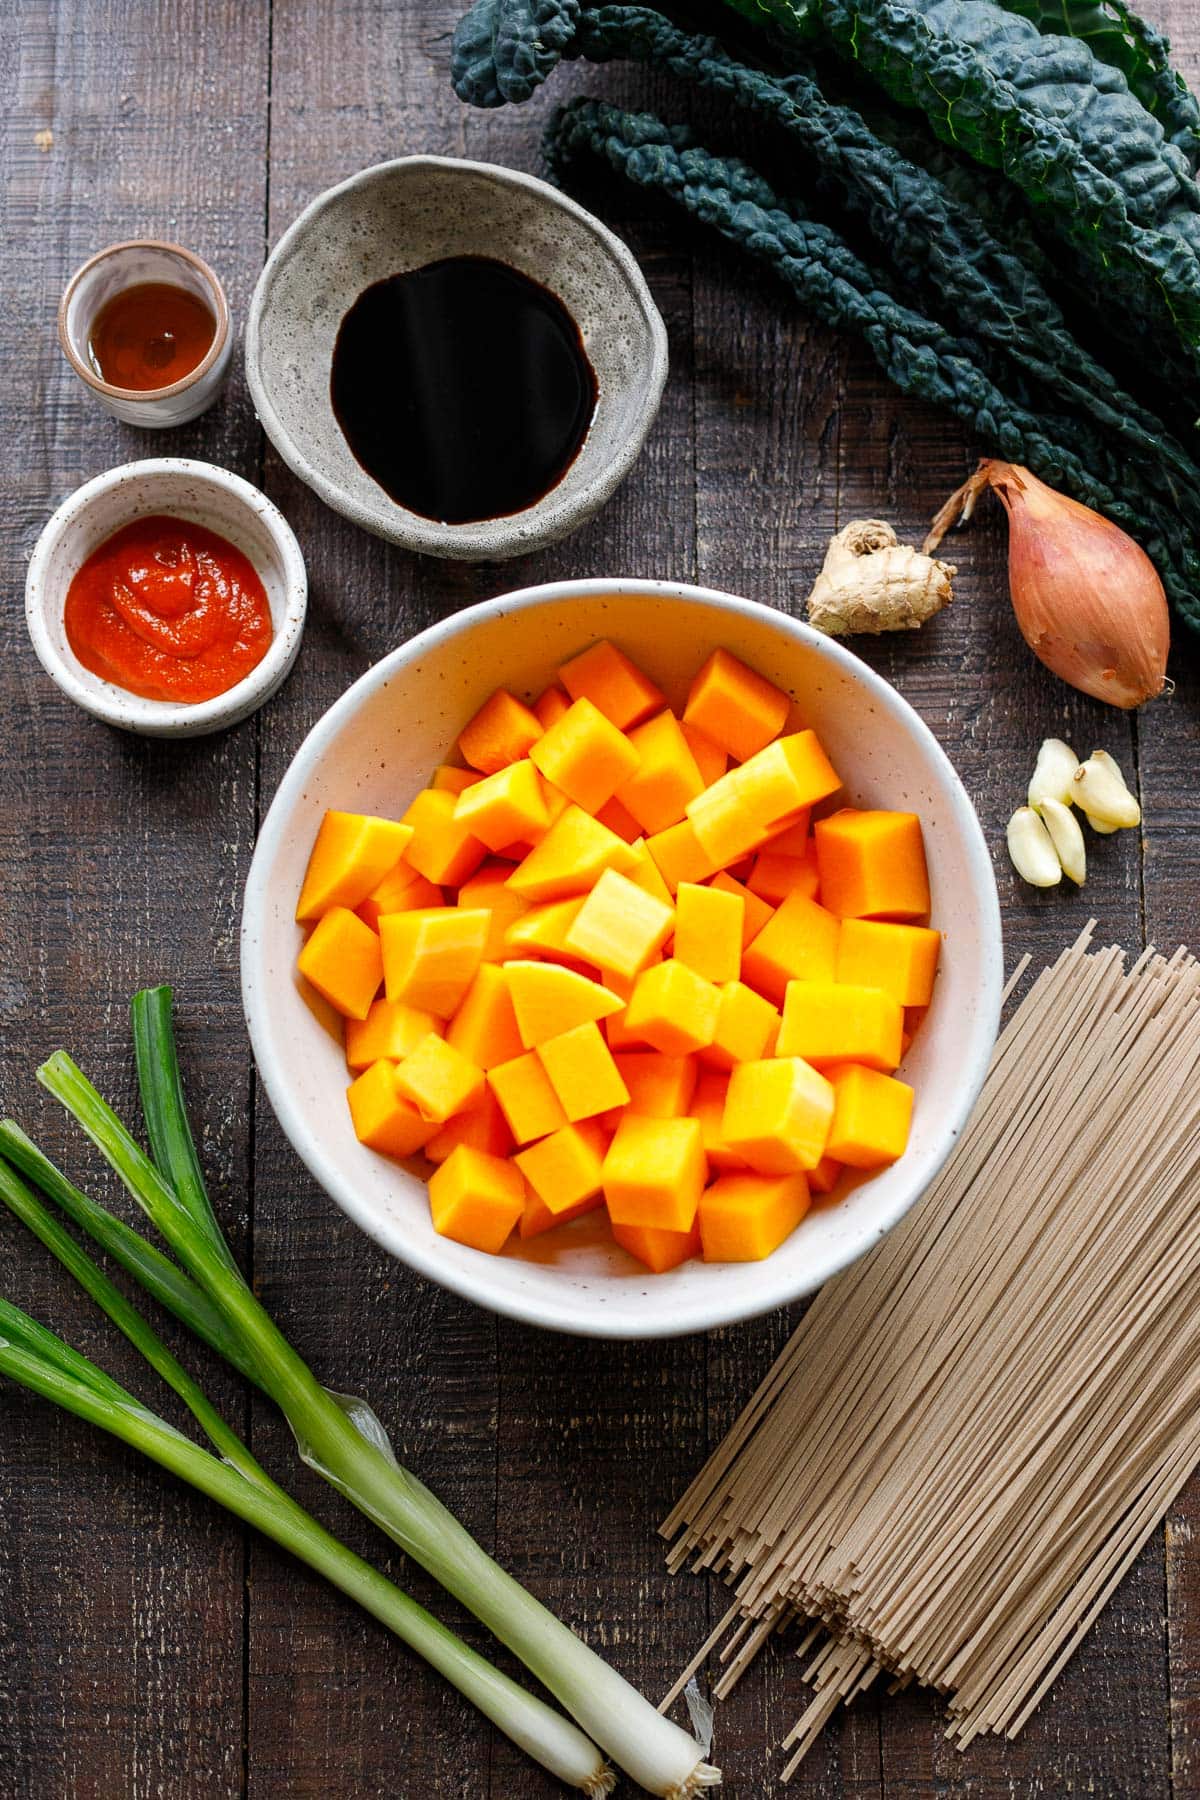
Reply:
x=870 y=582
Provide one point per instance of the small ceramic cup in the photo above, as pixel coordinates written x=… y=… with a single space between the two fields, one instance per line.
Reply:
x=208 y=496
x=127 y=265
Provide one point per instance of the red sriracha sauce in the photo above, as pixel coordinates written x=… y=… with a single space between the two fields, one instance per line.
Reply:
x=168 y=610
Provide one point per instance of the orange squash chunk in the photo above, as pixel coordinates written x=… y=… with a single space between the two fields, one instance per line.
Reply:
x=484 y=1029
x=383 y=1120
x=438 y=1079
x=708 y=1107
x=352 y=854
x=830 y=1022
x=442 y=849
x=585 y=756
x=564 y=1169
x=483 y=1126
x=708 y=931
x=659 y=1250
x=618 y=818
x=488 y=890
x=401 y=890
x=660 y=1087
x=620 y=927
x=673 y=1009
x=505 y=808
x=549 y=1000
x=872 y=865
x=529 y=1103
x=775 y=875
x=541 y=931
x=750 y=804
x=735 y=707
x=453 y=780
x=798 y=942
x=550 y=706
x=679 y=855
x=582 y=1072
x=646 y=874
x=391 y=1029
x=825 y=1177
x=710 y=759
x=667 y=778
x=900 y=959
x=872 y=1114
x=502 y=732
x=777 y=1115
x=743 y=1217
x=431 y=957
x=605 y=676
x=476 y=1199
x=755 y=909
x=747 y=1026
x=342 y=961
x=570 y=858
x=654 y=1173
x=538 y=1217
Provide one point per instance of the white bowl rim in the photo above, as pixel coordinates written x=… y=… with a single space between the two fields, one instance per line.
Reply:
x=135 y=712
x=702 y=1314
x=528 y=530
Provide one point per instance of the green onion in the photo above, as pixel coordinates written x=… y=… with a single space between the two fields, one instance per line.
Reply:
x=658 y=1754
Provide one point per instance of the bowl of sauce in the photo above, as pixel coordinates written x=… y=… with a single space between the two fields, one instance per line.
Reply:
x=167 y=597
x=456 y=356
x=145 y=326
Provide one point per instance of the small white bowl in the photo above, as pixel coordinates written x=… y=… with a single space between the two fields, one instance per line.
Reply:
x=207 y=496
x=375 y=748
x=125 y=265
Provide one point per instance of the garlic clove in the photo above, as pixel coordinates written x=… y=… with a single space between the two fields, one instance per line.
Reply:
x=1101 y=791
x=1066 y=834
x=1053 y=773
x=1032 y=849
x=1099 y=825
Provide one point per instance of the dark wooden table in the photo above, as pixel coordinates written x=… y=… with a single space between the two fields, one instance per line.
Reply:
x=149 y=1647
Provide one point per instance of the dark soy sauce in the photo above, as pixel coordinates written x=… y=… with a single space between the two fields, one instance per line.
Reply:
x=463 y=388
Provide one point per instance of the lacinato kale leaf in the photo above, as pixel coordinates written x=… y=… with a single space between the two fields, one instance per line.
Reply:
x=504 y=49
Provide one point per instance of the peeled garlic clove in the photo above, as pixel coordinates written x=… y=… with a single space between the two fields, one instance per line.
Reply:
x=1101 y=791
x=1066 y=834
x=1099 y=825
x=1032 y=849
x=1053 y=773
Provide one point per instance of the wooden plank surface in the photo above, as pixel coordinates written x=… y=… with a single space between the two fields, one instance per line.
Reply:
x=147 y=1646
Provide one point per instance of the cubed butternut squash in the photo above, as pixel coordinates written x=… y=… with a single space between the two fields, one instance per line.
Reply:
x=438 y=1079
x=502 y=732
x=798 y=942
x=442 y=849
x=582 y=1072
x=530 y=1106
x=565 y=1169
x=548 y=1000
x=777 y=1115
x=660 y=1087
x=342 y=961
x=744 y=1217
x=391 y=1029
x=667 y=777
x=570 y=858
x=872 y=1114
x=872 y=865
x=431 y=957
x=734 y=706
x=605 y=676
x=654 y=1173
x=900 y=959
x=585 y=756
x=831 y=1022
x=673 y=1009
x=550 y=706
x=711 y=760
x=483 y=1126
x=452 y=779
x=776 y=874
x=755 y=910
x=708 y=931
x=505 y=808
x=620 y=927
x=659 y=1250
x=476 y=1199
x=401 y=890
x=679 y=855
x=488 y=890
x=484 y=1027
x=747 y=1028
x=383 y=1120
x=352 y=854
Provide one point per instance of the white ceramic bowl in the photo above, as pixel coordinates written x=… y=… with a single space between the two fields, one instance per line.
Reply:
x=207 y=496
x=374 y=749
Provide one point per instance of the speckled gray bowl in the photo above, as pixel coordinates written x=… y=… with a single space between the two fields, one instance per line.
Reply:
x=399 y=216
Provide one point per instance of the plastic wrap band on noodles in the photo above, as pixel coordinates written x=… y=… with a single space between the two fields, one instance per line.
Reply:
x=975 y=1429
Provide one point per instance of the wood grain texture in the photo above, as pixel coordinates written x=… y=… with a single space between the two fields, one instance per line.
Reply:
x=146 y=1647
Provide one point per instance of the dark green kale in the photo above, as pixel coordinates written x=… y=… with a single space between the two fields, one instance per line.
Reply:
x=504 y=49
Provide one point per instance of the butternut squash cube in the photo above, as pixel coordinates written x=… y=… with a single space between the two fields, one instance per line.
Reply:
x=502 y=732
x=872 y=865
x=618 y=818
x=708 y=1107
x=383 y=1119
x=484 y=1028
x=570 y=858
x=476 y=1199
x=342 y=961
x=744 y=1217
x=550 y=706
x=679 y=855
x=708 y=931
x=775 y=875
x=673 y=1009
x=735 y=707
x=529 y=1103
x=726 y=827
x=830 y=1022
x=825 y=1177
x=711 y=760
x=659 y=1250
x=755 y=910
x=431 y=957
x=538 y=1218
x=747 y=1027
x=620 y=926
x=582 y=1072
x=352 y=854
x=646 y=873
x=442 y=848
x=505 y=808
x=391 y=1029
x=541 y=931
x=654 y=1173
x=564 y=1170
x=777 y=1115
x=798 y=942
x=793 y=840
x=401 y=890
x=585 y=756
x=453 y=780
x=660 y=1087
x=872 y=1114
x=488 y=890
x=605 y=676
x=438 y=1079
x=751 y=804
x=900 y=959
x=549 y=1000
x=483 y=1126
x=667 y=778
